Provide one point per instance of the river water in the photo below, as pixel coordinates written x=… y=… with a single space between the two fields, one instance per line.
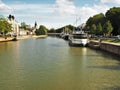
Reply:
x=50 y=64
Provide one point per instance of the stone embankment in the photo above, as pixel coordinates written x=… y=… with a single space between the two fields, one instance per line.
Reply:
x=106 y=46
x=5 y=40
x=22 y=37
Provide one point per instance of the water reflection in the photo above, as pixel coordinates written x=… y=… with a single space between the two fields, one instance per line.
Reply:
x=112 y=88
x=111 y=67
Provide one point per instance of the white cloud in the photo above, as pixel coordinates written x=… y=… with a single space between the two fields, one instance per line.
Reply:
x=60 y=13
x=86 y=11
x=101 y=8
x=4 y=7
x=60 y=7
x=57 y=13
x=65 y=7
x=33 y=7
x=111 y=1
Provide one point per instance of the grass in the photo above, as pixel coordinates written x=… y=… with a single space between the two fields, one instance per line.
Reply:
x=108 y=40
x=112 y=40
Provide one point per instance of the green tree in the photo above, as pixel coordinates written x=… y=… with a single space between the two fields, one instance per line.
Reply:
x=93 y=29
x=114 y=16
x=52 y=30
x=5 y=27
x=99 y=30
x=24 y=25
x=107 y=28
x=42 y=30
x=119 y=30
x=96 y=19
x=70 y=27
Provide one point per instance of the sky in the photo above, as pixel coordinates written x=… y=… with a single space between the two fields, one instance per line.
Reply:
x=55 y=13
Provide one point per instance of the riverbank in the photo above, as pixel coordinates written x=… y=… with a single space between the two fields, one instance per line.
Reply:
x=21 y=37
x=106 y=46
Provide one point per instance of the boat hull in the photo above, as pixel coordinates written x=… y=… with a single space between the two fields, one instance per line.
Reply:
x=78 y=42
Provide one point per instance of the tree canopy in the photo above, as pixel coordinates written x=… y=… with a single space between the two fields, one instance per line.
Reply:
x=107 y=28
x=67 y=28
x=94 y=24
x=42 y=30
x=5 y=27
x=25 y=26
x=52 y=30
x=105 y=24
x=114 y=16
x=96 y=19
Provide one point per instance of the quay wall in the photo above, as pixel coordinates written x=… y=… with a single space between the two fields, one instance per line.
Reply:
x=94 y=44
x=109 y=47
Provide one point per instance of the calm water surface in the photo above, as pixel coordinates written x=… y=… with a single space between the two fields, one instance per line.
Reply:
x=50 y=64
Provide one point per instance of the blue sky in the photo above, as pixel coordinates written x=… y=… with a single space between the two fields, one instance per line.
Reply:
x=55 y=13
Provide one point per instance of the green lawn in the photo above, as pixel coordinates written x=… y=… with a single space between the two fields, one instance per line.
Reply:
x=112 y=40
x=108 y=40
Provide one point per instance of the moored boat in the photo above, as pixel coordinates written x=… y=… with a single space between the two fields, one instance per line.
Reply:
x=78 y=38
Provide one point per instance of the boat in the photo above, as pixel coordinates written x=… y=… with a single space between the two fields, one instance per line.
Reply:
x=65 y=36
x=14 y=38
x=78 y=37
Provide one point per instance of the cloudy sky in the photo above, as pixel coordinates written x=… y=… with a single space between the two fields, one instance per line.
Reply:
x=55 y=13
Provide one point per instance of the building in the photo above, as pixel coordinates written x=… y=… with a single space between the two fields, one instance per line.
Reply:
x=15 y=25
x=34 y=28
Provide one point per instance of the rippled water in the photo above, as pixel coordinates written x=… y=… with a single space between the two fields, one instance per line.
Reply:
x=50 y=64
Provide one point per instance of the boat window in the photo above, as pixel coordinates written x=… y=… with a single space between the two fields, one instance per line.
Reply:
x=80 y=36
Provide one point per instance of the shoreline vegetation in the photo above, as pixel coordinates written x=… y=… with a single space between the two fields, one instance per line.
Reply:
x=22 y=37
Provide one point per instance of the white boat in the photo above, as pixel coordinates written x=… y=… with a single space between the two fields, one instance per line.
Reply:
x=64 y=35
x=78 y=38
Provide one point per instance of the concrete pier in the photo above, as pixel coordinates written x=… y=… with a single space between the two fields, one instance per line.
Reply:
x=106 y=46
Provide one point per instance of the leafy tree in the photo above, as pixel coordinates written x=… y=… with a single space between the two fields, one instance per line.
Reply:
x=52 y=30
x=96 y=19
x=114 y=16
x=107 y=28
x=5 y=27
x=99 y=30
x=87 y=29
x=24 y=25
x=93 y=29
x=70 y=27
x=119 y=30
x=41 y=31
